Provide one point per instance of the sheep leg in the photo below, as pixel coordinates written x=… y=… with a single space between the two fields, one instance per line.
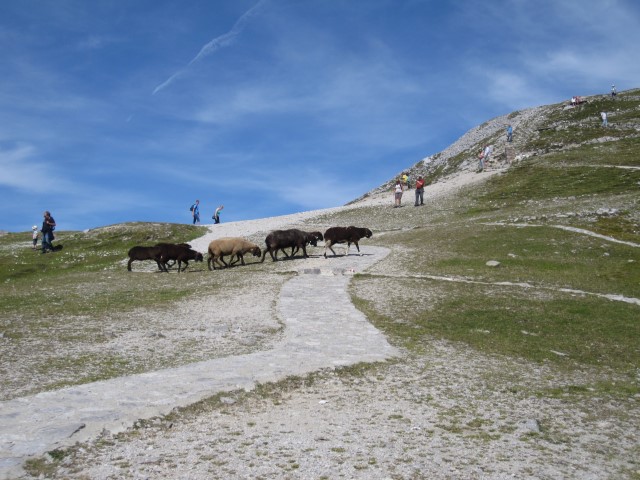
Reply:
x=329 y=247
x=129 y=264
x=238 y=256
x=220 y=261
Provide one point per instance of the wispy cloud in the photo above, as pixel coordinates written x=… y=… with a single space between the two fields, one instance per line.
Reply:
x=216 y=44
x=20 y=170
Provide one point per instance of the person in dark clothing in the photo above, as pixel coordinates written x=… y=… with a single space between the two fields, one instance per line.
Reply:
x=48 y=226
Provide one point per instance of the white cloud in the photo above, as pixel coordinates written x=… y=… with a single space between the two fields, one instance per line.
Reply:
x=20 y=170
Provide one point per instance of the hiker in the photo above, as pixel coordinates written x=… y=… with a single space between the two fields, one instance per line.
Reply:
x=613 y=91
x=603 y=115
x=509 y=133
x=216 y=215
x=34 y=236
x=48 y=226
x=195 y=211
x=481 y=161
x=484 y=157
x=419 y=191
x=397 y=194
x=405 y=180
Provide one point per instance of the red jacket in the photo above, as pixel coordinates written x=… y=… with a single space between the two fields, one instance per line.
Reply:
x=419 y=183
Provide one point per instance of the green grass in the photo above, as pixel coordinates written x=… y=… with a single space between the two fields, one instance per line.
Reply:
x=543 y=256
x=76 y=280
x=510 y=321
x=543 y=181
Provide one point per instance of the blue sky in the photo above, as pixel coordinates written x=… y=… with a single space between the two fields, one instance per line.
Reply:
x=129 y=110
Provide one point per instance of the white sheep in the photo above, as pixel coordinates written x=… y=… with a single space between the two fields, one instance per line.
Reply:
x=234 y=246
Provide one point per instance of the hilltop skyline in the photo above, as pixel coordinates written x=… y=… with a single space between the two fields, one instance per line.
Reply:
x=114 y=112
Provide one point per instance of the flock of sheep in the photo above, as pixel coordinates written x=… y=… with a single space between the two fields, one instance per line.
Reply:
x=236 y=247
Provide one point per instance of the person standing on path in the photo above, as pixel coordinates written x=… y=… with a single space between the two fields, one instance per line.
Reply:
x=613 y=91
x=216 y=215
x=419 y=191
x=195 y=211
x=48 y=226
x=509 y=133
x=397 y=194
x=603 y=115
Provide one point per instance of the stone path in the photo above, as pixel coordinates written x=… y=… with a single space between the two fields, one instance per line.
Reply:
x=322 y=329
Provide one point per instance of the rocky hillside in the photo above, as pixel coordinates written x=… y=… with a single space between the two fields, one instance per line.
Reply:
x=537 y=131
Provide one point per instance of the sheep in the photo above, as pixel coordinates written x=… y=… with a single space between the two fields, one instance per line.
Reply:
x=146 y=253
x=316 y=235
x=294 y=238
x=348 y=234
x=234 y=246
x=180 y=253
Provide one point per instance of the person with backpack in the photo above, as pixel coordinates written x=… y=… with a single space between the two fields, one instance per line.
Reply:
x=216 y=215
x=48 y=226
x=195 y=212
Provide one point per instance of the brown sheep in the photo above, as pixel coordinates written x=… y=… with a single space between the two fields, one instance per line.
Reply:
x=234 y=246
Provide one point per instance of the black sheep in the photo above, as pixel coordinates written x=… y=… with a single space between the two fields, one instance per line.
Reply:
x=346 y=235
x=146 y=253
x=293 y=238
x=178 y=253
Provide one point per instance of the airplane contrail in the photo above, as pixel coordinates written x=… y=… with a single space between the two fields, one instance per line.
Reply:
x=215 y=44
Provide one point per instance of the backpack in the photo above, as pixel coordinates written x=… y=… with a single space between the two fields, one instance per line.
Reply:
x=192 y=207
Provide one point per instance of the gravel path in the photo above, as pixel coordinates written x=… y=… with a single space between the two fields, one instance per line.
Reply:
x=314 y=306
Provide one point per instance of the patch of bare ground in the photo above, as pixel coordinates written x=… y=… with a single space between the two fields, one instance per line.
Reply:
x=448 y=413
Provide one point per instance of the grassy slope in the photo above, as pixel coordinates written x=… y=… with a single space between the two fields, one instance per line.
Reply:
x=565 y=184
x=572 y=185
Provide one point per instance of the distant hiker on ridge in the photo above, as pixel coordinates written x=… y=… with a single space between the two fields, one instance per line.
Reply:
x=603 y=115
x=195 y=212
x=216 y=215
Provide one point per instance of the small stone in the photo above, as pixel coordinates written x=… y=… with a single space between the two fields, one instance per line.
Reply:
x=493 y=263
x=531 y=425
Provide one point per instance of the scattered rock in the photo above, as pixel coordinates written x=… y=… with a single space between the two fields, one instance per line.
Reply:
x=531 y=425
x=492 y=263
